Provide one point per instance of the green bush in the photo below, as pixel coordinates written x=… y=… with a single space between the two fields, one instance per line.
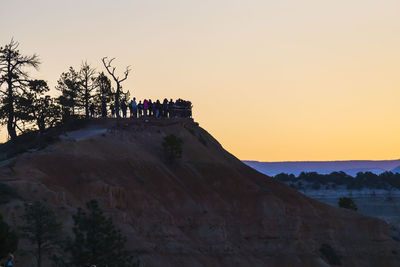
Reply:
x=330 y=254
x=172 y=146
x=347 y=203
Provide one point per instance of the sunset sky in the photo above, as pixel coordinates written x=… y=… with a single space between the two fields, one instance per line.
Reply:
x=271 y=80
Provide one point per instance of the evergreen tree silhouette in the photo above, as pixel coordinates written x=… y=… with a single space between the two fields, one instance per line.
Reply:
x=13 y=78
x=41 y=228
x=8 y=239
x=96 y=240
x=88 y=86
x=69 y=85
x=34 y=105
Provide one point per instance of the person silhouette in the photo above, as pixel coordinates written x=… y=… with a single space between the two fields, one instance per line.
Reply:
x=164 y=112
x=151 y=111
x=171 y=110
x=140 y=109
x=10 y=261
x=124 y=108
x=112 y=108
x=157 y=108
x=103 y=109
x=145 y=107
x=91 y=109
x=134 y=108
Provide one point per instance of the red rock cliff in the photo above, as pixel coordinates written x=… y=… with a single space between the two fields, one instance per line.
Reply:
x=208 y=209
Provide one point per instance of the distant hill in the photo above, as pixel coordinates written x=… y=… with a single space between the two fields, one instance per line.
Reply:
x=351 y=167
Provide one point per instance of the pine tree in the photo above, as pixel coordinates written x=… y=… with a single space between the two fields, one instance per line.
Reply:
x=104 y=90
x=8 y=239
x=172 y=146
x=96 y=240
x=42 y=229
x=88 y=85
x=69 y=85
x=34 y=106
x=104 y=93
x=13 y=79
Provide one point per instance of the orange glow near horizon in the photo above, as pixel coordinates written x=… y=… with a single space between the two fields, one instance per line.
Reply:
x=270 y=80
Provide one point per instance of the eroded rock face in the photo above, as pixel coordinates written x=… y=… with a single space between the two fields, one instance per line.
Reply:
x=207 y=209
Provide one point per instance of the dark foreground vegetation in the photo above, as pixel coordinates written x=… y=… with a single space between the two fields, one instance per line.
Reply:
x=316 y=181
x=347 y=203
x=94 y=240
x=172 y=147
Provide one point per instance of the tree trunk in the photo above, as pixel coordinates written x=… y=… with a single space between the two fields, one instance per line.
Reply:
x=117 y=100
x=41 y=125
x=87 y=104
x=11 y=127
x=86 y=99
x=39 y=256
x=10 y=120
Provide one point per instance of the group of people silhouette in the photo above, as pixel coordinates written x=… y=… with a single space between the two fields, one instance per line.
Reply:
x=146 y=108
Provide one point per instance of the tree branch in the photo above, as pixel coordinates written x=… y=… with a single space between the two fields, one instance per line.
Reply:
x=107 y=65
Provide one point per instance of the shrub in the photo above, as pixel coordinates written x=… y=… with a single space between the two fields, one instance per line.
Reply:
x=7 y=193
x=347 y=203
x=172 y=146
x=330 y=254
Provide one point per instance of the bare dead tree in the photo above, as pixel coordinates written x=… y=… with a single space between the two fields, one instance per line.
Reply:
x=111 y=70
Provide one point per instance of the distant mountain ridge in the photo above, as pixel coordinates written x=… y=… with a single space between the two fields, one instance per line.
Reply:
x=351 y=167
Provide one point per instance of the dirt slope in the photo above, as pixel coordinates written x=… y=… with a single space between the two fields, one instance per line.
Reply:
x=209 y=209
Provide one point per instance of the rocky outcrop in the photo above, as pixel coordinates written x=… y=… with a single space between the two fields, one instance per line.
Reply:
x=207 y=209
